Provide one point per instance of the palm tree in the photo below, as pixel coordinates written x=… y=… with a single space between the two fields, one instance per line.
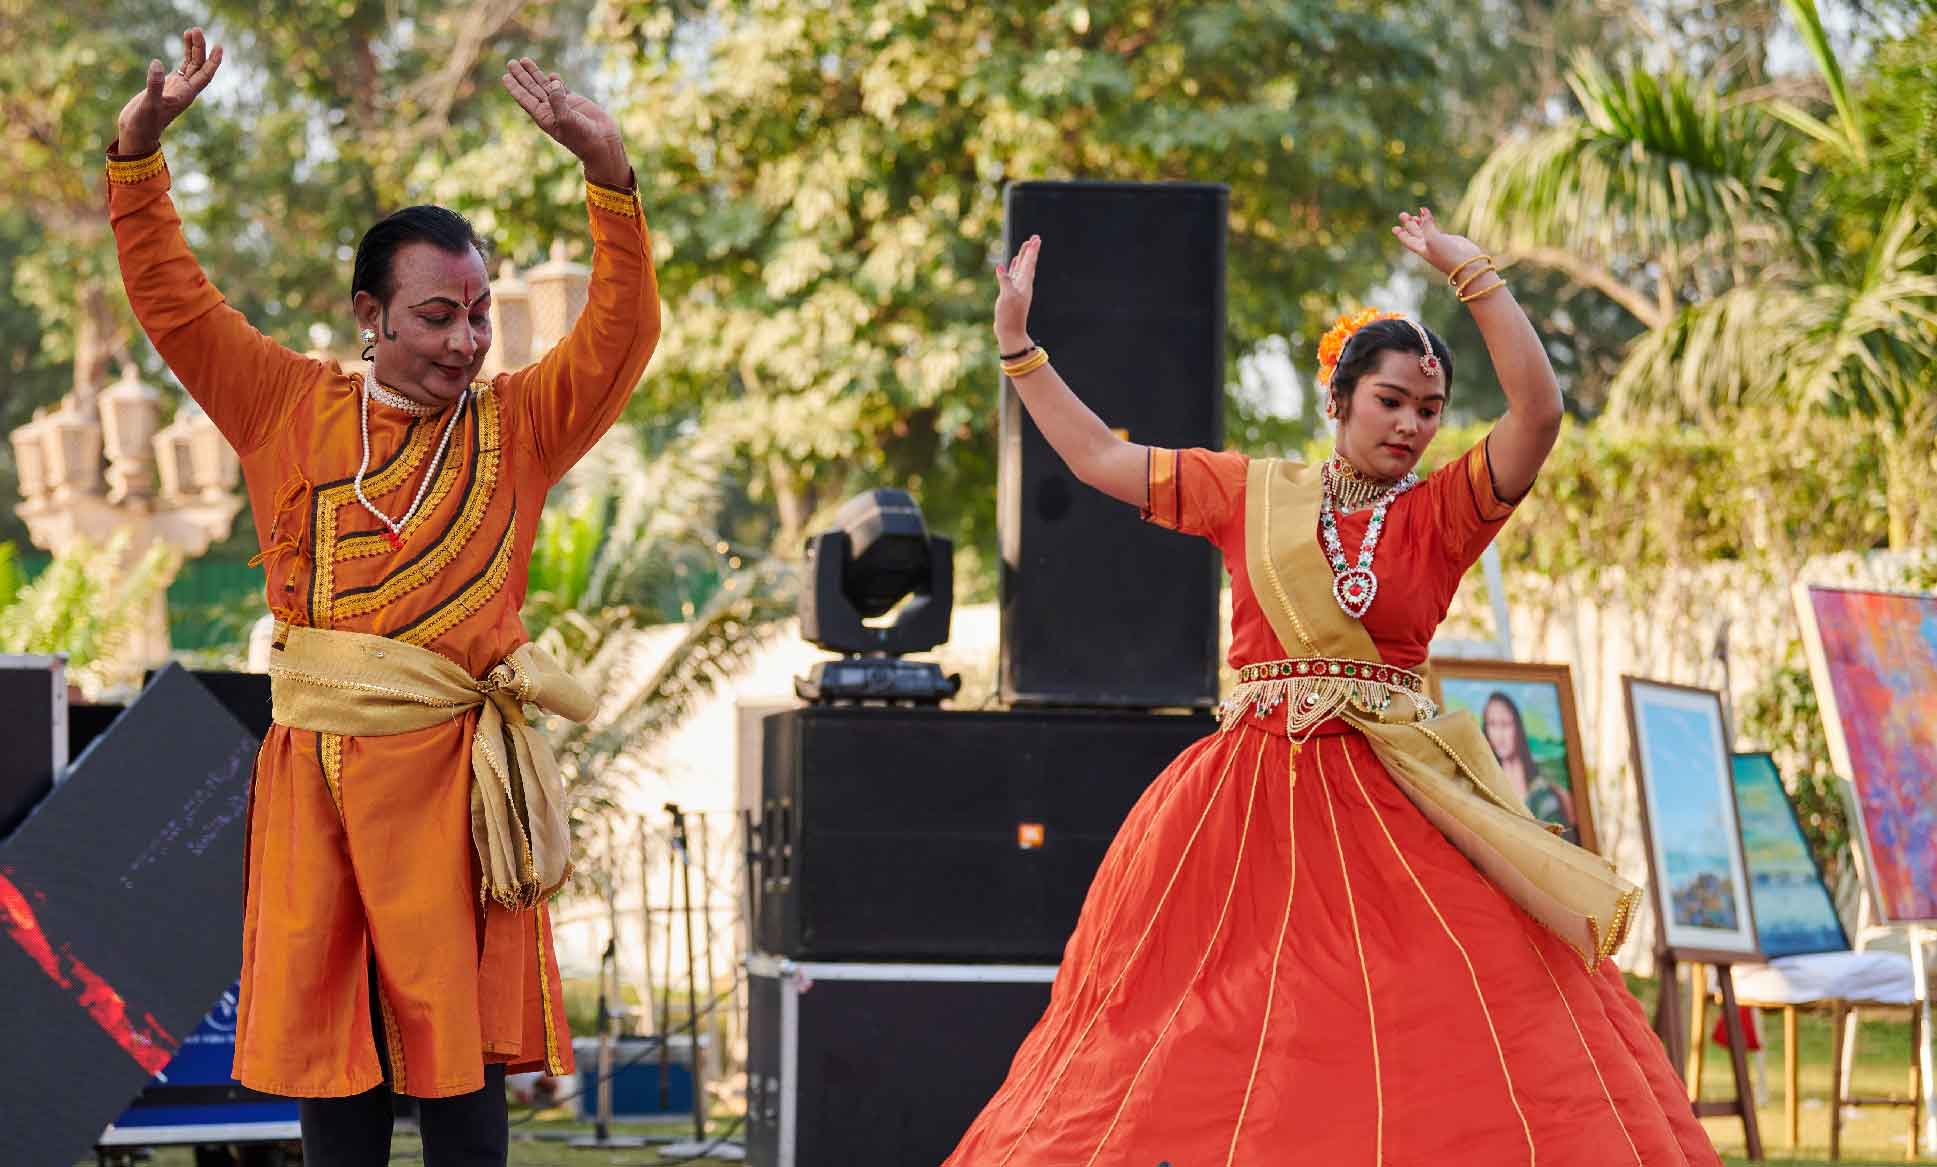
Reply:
x=1727 y=226
x=607 y=599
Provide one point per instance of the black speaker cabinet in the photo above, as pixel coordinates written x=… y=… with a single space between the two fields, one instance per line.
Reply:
x=33 y=728
x=878 y=1065
x=1098 y=607
x=925 y=834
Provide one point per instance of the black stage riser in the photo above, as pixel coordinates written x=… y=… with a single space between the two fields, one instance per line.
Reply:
x=893 y=834
x=878 y=1065
x=1099 y=608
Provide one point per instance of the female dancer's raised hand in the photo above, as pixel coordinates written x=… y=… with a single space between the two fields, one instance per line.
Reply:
x=1015 y=288
x=167 y=94
x=1421 y=235
x=574 y=121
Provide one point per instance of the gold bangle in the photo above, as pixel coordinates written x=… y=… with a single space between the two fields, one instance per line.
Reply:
x=1027 y=365
x=1452 y=277
x=1476 y=277
x=135 y=170
x=1484 y=292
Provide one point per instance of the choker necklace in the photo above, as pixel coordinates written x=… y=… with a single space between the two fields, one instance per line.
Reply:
x=1355 y=586
x=1352 y=488
x=398 y=401
x=394 y=528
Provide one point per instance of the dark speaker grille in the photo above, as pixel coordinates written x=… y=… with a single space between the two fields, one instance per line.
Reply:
x=1098 y=608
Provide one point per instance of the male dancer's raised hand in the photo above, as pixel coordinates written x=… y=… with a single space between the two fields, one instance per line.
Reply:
x=575 y=121
x=167 y=94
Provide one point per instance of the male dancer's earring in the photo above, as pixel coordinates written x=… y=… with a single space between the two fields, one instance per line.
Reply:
x=369 y=338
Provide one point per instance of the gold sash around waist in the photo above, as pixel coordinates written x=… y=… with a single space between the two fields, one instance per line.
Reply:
x=359 y=685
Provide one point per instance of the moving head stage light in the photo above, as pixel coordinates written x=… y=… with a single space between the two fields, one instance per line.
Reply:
x=879 y=554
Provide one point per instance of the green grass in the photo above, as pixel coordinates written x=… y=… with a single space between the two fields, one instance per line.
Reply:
x=1871 y=1135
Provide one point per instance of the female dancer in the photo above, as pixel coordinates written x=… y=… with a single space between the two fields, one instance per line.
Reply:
x=1326 y=934
x=406 y=825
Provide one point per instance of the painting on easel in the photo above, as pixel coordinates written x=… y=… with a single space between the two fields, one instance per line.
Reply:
x=1873 y=657
x=1794 y=911
x=1688 y=819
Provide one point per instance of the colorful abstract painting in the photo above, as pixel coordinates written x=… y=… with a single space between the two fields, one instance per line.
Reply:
x=1794 y=913
x=1688 y=809
x=1874 y=659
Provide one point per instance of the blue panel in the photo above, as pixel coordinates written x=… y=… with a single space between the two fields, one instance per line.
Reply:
x=206 y=1058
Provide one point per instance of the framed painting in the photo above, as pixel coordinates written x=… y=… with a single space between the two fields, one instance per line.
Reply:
x=1873 y=658
x=1693 y=836
x=1794 y=911
x=1527 y=712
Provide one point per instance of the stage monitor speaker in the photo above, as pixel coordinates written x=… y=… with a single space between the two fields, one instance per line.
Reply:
x=120 y=916
x=1098 y=607
x=878 y=1065
x=923 y=834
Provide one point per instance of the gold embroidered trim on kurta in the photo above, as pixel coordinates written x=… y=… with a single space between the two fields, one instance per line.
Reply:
x=1278 y=952
x=552 y=1061
x=1486 y=1013
x=365 y=544
x=326 y=500
x=428 y=564
x=393 y=1038
x=613 y=202
x=1103 y=1003
x=329 y=755
x=1203 y=959
x=1365 y=973
x=469 y=601
x=130 y=171
x=1593 y=1062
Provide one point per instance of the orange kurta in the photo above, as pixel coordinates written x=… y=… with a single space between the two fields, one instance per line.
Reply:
x=1282 y=961
x=362 y=846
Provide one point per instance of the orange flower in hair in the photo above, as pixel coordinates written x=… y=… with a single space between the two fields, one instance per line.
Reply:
x=1332 y=344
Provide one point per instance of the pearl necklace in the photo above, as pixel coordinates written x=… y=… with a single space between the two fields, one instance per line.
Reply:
x=394 y=532
x=1354 y=587
x=399 y=402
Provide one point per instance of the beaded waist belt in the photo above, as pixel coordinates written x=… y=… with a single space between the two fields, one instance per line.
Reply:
x=1316 y=689
x=1324 y=666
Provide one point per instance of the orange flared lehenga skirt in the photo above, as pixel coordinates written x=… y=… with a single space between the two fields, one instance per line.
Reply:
x=1282 y=962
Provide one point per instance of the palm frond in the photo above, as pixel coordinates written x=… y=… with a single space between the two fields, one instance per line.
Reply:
x=1652 y=167
x=1860 y=347
x=1847 y=135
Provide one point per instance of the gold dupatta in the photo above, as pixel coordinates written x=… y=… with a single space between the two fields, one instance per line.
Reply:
x=1440 y=761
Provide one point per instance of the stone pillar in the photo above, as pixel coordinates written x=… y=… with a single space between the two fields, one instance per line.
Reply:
x=557 y=289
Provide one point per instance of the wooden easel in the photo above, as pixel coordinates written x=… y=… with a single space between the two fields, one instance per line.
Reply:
x=1676 y=1035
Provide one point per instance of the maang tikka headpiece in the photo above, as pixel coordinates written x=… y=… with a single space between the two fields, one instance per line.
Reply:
x=1332 y=345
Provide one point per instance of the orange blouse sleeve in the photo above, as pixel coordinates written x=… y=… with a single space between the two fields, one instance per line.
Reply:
x=1194 y=491
x=1470 y=510
x=245 y=381
x=575 y=392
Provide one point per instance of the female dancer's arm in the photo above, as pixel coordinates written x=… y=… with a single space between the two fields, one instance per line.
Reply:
x=1520 y=441
x=1092 y=452
x=244 y=380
